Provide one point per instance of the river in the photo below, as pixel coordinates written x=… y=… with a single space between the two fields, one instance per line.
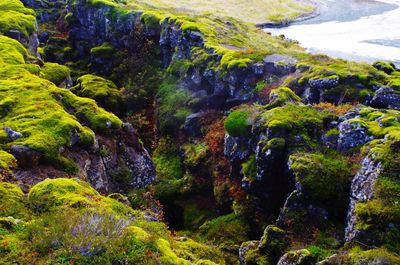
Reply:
x=360 y=30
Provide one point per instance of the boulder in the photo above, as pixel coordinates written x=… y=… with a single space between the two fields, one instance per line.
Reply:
x=386 y=97
x=26 y=157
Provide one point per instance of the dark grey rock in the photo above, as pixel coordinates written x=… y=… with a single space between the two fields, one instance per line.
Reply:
x=26 y=157
x=386 y=97
x=192 y=126
x=324 y=83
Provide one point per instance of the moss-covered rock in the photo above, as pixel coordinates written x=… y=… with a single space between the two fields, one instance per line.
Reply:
x=238 y=123
x=325 y=179
x=12 y=201
x=104 y=91
x=14 y=16
x=55 y=73
x=49 y=118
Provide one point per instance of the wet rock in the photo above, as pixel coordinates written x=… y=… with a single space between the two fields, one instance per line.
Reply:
x=297 y=257
x=386 y=97
x=26 y=157
x=13 y=134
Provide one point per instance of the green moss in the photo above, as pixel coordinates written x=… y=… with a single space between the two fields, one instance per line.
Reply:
x=271 y=247
x=12 y=201
x=324 y=67
x=7 y=162
x=227 y=231
x=194 y=215
x=238 y=123
x=378 y=255
x=179 y=67
x=380 y=123
x=167 y=160
x=249 y=168
x=54 y=194
x=151 y=18
x=394 y=81
x=296 y=122
x=12 y=52
x=14 y=16
x=172 y=107
x=386 y=67
x=194 y=154
x=77 y=225
x=281 y=96
x=373 y=216
x=105 y=50
x=104 y=91
x=324 y=178
x=55 y=73
x=47 y=116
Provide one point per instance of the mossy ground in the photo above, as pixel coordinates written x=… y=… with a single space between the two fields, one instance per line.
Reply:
x=67 y=221
x=14 y=16
x=47 y=116
x=260 y=11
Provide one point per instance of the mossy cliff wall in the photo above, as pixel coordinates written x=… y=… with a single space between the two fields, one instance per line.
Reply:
x=216 y=79
x=51 y=131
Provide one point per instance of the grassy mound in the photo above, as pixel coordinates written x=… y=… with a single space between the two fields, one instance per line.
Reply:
x=72 y=223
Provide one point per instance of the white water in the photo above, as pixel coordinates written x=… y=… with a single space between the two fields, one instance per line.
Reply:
x=351 y=39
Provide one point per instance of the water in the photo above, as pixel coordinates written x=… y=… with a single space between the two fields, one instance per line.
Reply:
x=361 y=30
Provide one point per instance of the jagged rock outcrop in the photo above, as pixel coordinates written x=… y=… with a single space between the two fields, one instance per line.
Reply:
x=362 y=190
x=91 y=27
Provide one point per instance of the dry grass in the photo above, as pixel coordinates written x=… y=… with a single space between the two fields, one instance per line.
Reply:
x=253 y=11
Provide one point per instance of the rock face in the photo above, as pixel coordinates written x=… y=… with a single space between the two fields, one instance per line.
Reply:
x=361 y=191
x=119 y=163
x=115 y=164
x=94 y=26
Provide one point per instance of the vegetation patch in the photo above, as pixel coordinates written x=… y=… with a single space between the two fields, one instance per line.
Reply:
x=104 y=91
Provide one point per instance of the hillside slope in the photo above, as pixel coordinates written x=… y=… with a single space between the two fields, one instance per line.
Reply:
x=261 y=152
